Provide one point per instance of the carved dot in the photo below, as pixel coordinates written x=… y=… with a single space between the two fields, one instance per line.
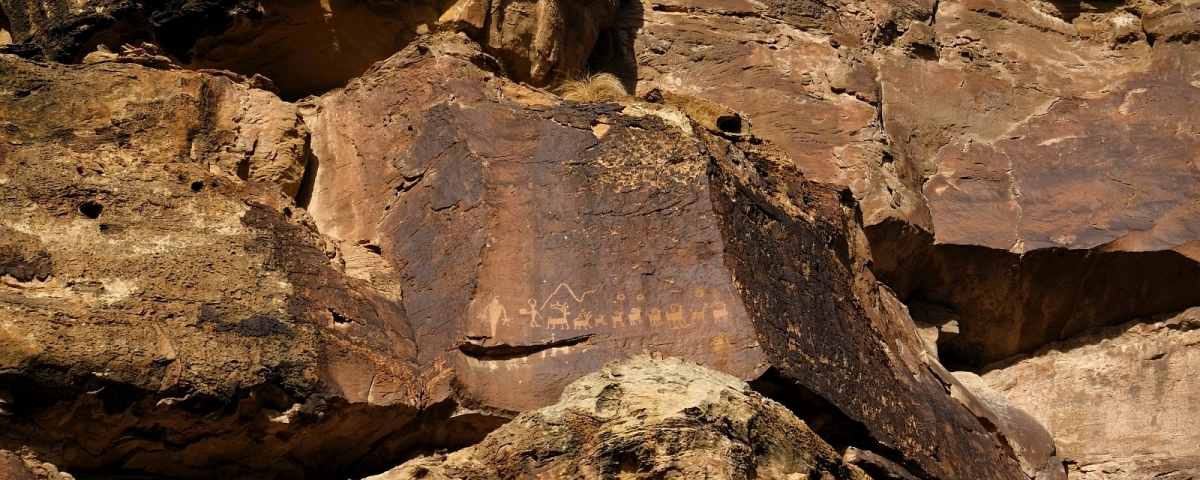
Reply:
x=91 y=209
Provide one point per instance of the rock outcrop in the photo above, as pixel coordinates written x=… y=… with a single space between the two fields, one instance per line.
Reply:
x=966 y=130
x=164 y=306
x=1119 y=400
x=828 y=200
x=310 y=47
x=645 y=418
x=458 y=242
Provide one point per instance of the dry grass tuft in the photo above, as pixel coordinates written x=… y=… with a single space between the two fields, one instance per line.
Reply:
x=595 y=88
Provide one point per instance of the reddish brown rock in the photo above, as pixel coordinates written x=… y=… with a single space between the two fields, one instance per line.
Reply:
x=537 y=241
x=786 y=68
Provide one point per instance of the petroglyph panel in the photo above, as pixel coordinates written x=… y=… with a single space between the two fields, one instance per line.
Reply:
x=494 y=315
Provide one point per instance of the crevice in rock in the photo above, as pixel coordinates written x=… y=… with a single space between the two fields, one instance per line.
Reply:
x=267 y=431
x=824 y=418
x=509 y=352
x=309 y=180
x=1007 y=303
x=614 y=51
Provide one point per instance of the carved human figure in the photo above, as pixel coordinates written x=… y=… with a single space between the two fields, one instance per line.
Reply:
x=532 y=312
x=720 y=313
x=655 y=317
x=563 y=311
x=675 y=316
x=493 y=313
x=583 y=321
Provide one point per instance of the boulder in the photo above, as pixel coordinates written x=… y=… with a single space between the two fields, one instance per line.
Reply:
x=164 y=307
x=645 y=418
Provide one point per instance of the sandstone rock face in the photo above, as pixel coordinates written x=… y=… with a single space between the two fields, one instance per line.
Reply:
x=645 y=418
x=198 y=279
x=970 y=124
x=310 y=47
x=815 y=98
x=1119 y=400
x=527 y=259
x=15 y=467
x=158 y=313
x=537 y=241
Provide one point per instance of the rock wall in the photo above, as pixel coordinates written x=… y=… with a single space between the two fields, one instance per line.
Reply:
x=1118 y=400
x=203 y=274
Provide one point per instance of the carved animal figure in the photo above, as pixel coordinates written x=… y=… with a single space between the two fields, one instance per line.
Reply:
x=583 y=321
x=618 y=319
x=560 y=320
x=675 y=316
x=599 y=320
x=655 y=317
x=697 y=316
x=720 y=313
x=635 y=316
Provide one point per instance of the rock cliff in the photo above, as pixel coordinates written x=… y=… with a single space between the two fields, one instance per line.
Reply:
x=264 y=239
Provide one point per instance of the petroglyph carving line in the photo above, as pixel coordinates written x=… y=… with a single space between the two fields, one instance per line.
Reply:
x=617 y=319
x=578 y=298
x=493 y=313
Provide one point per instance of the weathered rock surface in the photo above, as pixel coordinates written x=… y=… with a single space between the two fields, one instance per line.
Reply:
x=1016 y=127
x=537 y=241
x=17 y=467
x=645 y=418
x=461 y=248
x=785 y=67
x=310 y=47
x=160 y=314
x=1119 y=401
